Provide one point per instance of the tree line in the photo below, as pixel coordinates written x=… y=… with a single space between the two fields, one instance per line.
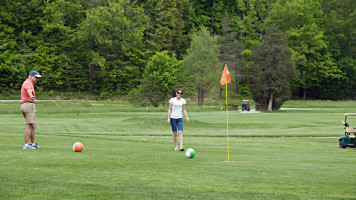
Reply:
x=143 y=49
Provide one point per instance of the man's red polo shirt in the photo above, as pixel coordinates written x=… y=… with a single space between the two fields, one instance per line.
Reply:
x=27 y=86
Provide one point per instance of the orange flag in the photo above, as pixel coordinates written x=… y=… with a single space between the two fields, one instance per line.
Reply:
x=225 y=78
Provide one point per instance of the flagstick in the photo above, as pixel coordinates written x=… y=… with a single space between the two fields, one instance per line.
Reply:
x=227 y=126
x=225 y=79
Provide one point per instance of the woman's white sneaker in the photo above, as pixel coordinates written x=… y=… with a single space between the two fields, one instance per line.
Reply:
x=28 y=146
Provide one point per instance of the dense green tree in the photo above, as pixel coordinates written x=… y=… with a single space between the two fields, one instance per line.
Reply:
x=19 y=33
x=300 y=20
x=203 y=62
x=11 y=63
x=250 y=20
x=24 y=16
x=53 y=56
x=352 y=29
x=170 y=25
x=208 y=13
x=163 y=74
x=102 y=46
x=230 y=49
x=338 y=24
x=272 y=70
x=90 y=4
x=342 y=88
x=111 y=47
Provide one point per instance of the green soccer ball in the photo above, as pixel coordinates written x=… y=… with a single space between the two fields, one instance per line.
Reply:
x=189 y=153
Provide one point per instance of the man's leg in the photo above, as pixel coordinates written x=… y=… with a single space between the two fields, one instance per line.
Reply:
x=28 y=131
x=32 y=134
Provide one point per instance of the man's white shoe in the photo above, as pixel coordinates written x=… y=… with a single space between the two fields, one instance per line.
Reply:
x=35 y=146
x=176 y=149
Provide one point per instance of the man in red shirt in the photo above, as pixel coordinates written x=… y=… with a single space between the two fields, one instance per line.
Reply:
x=28 y=109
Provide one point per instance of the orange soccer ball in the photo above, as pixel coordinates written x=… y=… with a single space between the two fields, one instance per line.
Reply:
x=78 y=147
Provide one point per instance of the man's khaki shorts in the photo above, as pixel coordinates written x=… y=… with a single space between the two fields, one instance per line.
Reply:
x=29 y=112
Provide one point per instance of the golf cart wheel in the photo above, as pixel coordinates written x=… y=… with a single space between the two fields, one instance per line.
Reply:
x=341 y=144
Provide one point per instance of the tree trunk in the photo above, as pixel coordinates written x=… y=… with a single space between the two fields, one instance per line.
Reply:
x=199 y=96
x=270 y=102
x=202 y=98
x=24 y=41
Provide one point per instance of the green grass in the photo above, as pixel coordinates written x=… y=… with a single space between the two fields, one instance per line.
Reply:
x=128 y=154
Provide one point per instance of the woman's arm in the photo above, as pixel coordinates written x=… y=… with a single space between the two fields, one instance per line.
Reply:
x=185 y=113
x=169 y=113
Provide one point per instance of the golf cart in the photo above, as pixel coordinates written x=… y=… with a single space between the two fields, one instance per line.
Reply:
x=245 y=105
x=348 y=140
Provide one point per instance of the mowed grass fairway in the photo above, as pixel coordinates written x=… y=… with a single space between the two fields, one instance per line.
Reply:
x=129 y=153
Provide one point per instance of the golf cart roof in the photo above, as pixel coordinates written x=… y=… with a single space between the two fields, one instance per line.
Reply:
x=352 y=114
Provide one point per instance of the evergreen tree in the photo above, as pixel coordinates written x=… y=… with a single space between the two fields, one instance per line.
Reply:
x=170 y=24
x=230 y=49
x=208 y=13
x=272 y=70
